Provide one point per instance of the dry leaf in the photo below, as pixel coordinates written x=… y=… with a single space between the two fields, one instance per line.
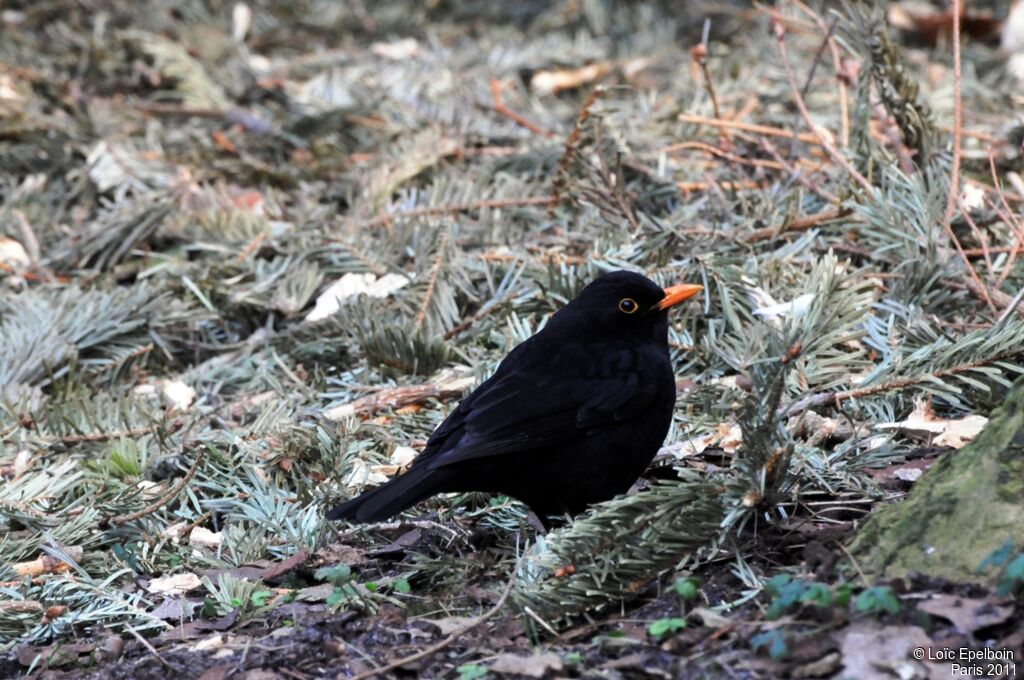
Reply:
x=954 y=432
x=22 y=462
x=13 y=253
x=728 y=381
x=177 y=393
x=403 y=456
x=202 y=537
x=873 y=653
x=972 y=198
x=174 y=609
x=8 y=91
x=450 y=624
x=150 y=489
x=399 y=50
x=1013 y=40
x=177 y=584
x=215 y=642
x=727 y=435
x=349 y=286
x=711 y=619
x=967 y=614
x=553 y=82
x=908 y=474
x=241 y=20
x=363 y=475
x=773 y=311
x=12 y=95
x=533 y=666
x=176 y=531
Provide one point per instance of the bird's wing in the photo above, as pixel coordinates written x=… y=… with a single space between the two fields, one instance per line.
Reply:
x=520 y=409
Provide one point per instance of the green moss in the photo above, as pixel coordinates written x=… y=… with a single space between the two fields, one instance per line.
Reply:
x=968 y=505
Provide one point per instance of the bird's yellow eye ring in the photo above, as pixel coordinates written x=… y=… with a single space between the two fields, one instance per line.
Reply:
x=628 y=306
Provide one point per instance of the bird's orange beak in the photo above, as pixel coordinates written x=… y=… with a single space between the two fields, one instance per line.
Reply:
x=676 y=294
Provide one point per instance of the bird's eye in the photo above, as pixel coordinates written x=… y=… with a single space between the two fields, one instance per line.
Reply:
x=628 y=305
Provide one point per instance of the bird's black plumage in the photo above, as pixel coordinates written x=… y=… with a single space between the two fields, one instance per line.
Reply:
x=572 y=416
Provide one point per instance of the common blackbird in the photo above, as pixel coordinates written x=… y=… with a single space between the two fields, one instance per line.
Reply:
x=572 y=416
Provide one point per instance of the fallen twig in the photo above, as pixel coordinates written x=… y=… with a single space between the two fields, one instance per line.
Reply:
x=837 y=63
x=166 y=498
x=975 y=285
x=46 y=564
x=766 y=130
x=118 y=434
x=400 y=396
x=435 y=272
x=799 y=224
x=835 y=155
x=571 y=142
x=958 y=119
x=687 y=187
x=496 y=203
x=499 y=107
x=699 y=54
x=836 y=397
x=715 y=151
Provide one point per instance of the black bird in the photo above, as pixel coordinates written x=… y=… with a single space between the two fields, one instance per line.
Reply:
x=572 y=416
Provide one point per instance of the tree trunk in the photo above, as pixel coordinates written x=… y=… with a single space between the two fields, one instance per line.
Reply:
x=967 y=506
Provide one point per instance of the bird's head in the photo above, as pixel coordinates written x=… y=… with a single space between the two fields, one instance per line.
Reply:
x=628 y=303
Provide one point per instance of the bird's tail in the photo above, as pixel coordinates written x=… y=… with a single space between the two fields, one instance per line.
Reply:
x=390 y=498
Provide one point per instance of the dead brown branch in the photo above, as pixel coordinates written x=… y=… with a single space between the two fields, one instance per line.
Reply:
x=94 y=437
x=756 y=129
x=500 y=108
x=799 y=224
x=491 y=204
x=47 y=564
x=400 y=397
x=836 y=156
x=837 y=397
x=167 y=497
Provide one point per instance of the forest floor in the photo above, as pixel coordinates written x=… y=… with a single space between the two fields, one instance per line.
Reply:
x=251 y=255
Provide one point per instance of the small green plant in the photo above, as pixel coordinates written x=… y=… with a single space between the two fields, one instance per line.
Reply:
x=401 y=586
x=687 y=587
x=260 y=598
x=336 y=575
x=788 y=593
x=773 y=640
x=665 y=626
x=230 y=593
x=876 y=600
x=346 y=592
x=471 y=671
x=1010 y=579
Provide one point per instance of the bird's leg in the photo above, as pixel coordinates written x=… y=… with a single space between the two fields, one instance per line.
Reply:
x=541 y=524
